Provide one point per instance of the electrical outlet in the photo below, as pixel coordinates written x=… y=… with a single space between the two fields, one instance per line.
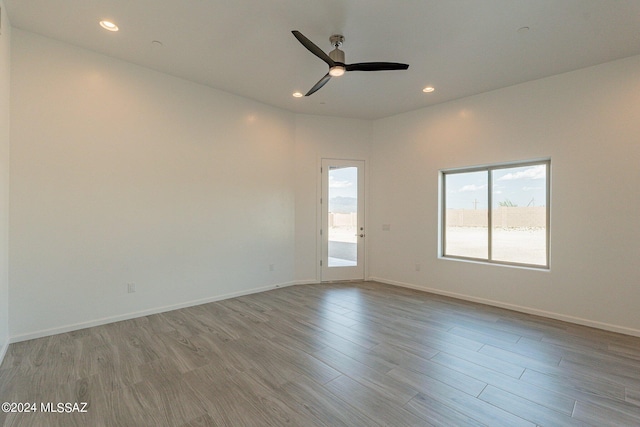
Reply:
x=131 y=288
x=417 y=266
x=272 y=267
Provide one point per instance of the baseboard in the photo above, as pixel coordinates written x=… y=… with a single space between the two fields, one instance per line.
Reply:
x=3 y=351
x=306 y=282
x=133 y=315
x=514 y=307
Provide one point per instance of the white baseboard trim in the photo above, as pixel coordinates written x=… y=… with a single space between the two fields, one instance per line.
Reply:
x=306 y=282
x=3 y=351
x=522 y=309
x=142 y=313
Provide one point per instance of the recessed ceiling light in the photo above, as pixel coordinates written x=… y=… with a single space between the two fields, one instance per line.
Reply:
x=297 y=95
x=428 y=89
x=108 y=25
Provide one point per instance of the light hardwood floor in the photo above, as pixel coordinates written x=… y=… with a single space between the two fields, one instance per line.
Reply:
x=353 y=354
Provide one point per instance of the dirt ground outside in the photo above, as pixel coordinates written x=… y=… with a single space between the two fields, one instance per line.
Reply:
x=519 y=245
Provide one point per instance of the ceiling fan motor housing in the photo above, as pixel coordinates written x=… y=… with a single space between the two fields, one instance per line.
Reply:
x=337 y=55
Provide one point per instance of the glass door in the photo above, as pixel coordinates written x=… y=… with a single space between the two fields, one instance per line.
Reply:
x=342 y=230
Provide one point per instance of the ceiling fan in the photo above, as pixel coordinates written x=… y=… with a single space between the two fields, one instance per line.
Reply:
x=335 y=60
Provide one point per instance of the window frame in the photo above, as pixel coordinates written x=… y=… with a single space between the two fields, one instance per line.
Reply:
x=488 y=169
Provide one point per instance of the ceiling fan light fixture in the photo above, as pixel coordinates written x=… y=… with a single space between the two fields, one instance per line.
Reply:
x=337 y=71
x=428 y=89
x=297 y=94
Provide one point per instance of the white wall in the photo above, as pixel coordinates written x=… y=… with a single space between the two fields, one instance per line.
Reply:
x=588 y=122
x=121 y=174
x=319 y=137
x=5 y=62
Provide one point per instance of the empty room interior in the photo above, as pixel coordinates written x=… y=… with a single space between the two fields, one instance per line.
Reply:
x=204 y=222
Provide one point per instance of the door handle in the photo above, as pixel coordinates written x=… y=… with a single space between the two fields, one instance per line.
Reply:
x=362 y=235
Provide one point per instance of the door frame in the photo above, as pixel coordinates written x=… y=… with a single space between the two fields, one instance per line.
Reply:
x=319 y=217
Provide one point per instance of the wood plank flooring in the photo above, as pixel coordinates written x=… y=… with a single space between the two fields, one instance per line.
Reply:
x=351 y=354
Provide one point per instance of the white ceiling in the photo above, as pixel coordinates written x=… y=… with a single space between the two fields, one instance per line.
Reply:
x=461 y=47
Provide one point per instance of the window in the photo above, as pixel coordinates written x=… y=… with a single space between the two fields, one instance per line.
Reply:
x=497 y=214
